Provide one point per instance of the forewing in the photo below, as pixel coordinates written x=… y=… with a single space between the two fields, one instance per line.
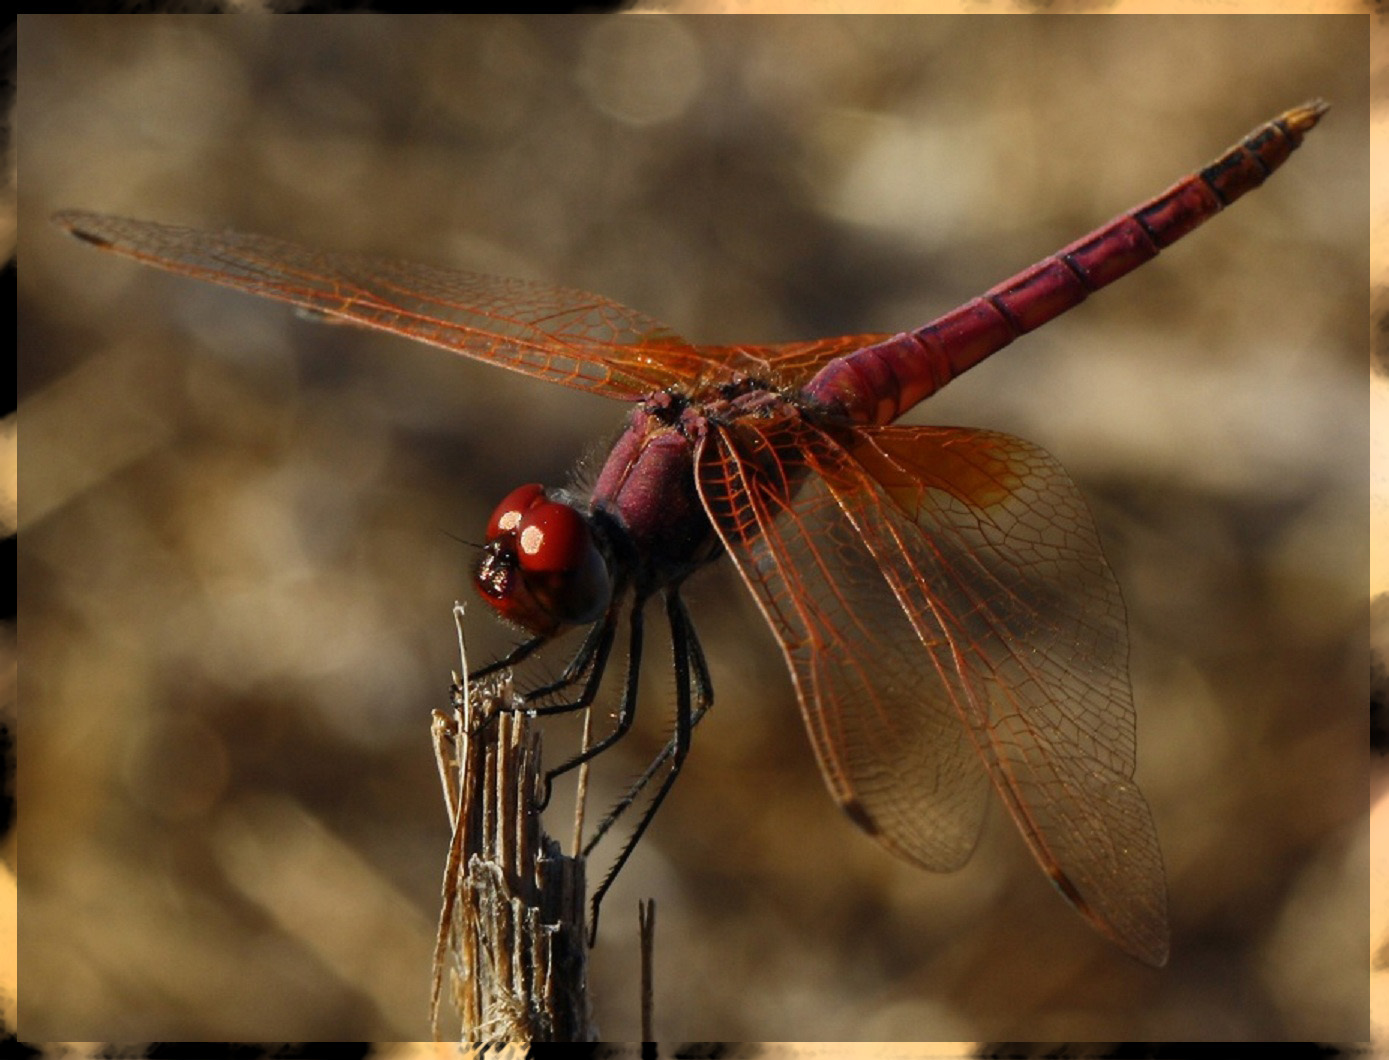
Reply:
x=889 y=742
x=564 y=336
x=994 y=559
x=790 y=364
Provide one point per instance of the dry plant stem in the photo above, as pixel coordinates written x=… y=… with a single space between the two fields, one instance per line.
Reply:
x=646 y=920
x=581 y=789
x=511 y=931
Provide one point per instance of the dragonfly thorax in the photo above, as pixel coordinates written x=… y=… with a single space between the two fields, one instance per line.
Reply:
x=541 y=567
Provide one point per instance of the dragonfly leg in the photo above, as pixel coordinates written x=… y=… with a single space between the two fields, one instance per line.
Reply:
x=517 y=654
x=626 y=711
x=686 y=650
x=591 y=659
x=702 y=694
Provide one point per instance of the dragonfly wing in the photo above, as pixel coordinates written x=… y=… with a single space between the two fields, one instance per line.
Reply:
x=994 y=558
x=790 y=364
x=982 y=547
x=564 y=336
x=889 y=742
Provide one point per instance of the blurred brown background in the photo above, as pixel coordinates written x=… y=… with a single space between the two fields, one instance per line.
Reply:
x=244 y=530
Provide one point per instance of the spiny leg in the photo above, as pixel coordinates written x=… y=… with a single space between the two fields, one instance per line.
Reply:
x=627 y=709
x=702 y=690
x=681 y=637
x=517 y=654
x=592 y=656
x=590 y=659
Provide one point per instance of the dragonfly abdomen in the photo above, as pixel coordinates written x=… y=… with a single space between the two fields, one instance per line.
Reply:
x=877 y=384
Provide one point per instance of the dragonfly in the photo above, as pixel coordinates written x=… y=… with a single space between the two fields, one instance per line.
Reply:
x=946 y=612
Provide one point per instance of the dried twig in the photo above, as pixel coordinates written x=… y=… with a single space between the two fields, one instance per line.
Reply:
x=646 y=920
x=511 y=932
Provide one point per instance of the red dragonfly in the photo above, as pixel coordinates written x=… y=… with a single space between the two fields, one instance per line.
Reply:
x=939 y=593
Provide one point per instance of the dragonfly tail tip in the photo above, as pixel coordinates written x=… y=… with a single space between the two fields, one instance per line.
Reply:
x=1300 y=119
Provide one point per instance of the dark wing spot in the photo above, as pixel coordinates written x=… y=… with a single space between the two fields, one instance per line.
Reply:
x=859 y=816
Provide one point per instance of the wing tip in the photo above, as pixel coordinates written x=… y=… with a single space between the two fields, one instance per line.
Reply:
x=1147 y=942
x=858 y=813
x=75 y=222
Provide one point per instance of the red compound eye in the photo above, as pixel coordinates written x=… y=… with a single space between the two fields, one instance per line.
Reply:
x=509 y=513
x=541 y=567
x=552 y=537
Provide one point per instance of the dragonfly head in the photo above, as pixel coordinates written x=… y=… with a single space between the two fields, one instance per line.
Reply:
x=541 y=567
